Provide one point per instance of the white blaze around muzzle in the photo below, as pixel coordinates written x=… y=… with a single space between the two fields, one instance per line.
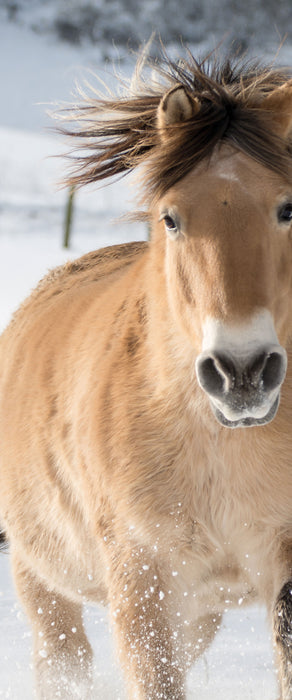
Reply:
x=241 y=369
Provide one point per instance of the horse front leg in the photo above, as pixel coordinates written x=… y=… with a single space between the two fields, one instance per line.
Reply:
x=282 y=623
x=148 y=643
x=62 y=653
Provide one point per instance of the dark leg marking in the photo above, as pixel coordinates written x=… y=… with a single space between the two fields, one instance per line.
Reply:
x=283 y=638
x=283 y=616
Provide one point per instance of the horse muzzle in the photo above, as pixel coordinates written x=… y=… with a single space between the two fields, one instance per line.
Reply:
x=243 y=394
x=241 y=373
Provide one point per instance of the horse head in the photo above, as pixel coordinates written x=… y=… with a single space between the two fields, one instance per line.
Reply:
x=229 y=261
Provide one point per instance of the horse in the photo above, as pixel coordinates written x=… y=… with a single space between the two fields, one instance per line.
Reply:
x=146 y=388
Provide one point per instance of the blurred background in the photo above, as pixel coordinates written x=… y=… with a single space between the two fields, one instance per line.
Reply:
x=249 y=23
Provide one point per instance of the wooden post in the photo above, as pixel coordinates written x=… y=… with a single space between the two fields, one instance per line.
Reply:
x=68 y=217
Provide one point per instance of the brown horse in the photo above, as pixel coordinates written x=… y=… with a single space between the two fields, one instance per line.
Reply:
x=146 y=404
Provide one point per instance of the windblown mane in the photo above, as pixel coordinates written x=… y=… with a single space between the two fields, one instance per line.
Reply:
x=116 y=134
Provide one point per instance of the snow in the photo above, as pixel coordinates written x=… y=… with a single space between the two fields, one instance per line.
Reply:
x=239 y=665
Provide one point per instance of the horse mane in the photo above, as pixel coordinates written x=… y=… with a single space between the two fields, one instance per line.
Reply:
x=116 y=134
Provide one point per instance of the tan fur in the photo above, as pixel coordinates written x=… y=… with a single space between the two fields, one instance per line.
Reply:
x=116 y=482
x=176 y=106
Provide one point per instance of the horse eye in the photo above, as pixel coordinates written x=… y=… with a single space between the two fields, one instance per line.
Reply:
x=285 y=213
x=170 y=224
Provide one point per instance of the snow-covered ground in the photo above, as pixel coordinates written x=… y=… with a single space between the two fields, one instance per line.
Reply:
x=239 y=665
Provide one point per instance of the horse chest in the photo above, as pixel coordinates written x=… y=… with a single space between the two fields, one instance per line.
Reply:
x=221 y=507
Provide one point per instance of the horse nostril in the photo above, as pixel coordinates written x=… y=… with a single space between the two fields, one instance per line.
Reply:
x=273 y=371
x=267 y=370
x=216 y=374
x=209 y=379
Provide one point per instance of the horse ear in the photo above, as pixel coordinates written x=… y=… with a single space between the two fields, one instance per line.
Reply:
x=280 y=102
x=175 y=107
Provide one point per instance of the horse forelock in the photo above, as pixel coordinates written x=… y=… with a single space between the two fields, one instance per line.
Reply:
x=121 y=133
